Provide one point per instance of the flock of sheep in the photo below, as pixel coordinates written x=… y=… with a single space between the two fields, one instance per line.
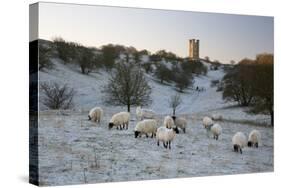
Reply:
x=148 y=125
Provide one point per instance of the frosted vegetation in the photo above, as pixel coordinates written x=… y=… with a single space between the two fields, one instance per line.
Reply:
x=73 y=150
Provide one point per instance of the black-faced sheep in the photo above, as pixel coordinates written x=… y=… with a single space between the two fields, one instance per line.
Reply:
x=239 y=141
x=142 y=113
x=216 y=130
x=168 y=122
x=254 y=138
x=217 y=117
x=96 y=114
x=166 y=136
x=146 y=127
x=180 y=122
x=207 y=122
x=120 y=120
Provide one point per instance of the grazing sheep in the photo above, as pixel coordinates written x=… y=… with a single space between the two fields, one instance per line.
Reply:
x=217 y=117
x=254 y=138
x=168 y=122
x=120 y=120
x=216 y=130
x=166 y=136
x=207 y=122
x=144 y=113
x=96 y=114
x=180 y=122
x=239 y=141
x=145 y=127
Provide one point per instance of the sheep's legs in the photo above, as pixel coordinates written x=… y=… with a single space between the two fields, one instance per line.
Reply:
x=169 y=144
x=165 y=145
x=257 y=145
x=240 y=150
x=146 y=135
x=157 y=142
x=183 y=130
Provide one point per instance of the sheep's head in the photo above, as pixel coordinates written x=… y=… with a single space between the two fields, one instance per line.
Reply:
x=235 y=147
x=110 y=125
x=89 y=117
x=176 y=130
x=137 y=133
x=250 y=144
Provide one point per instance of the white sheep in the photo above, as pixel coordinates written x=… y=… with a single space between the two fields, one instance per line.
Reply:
x=239 y=141
x=146 y=127
x=120 y=120
x=166 y=135
x=180 y=122
x=142 y=113
x=217 y=117
x=168 y=122
x=207 y=122
x=96 y=114
x=254 y=138
x=216 y=130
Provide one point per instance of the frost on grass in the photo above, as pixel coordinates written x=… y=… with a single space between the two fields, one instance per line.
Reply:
x=73 y=150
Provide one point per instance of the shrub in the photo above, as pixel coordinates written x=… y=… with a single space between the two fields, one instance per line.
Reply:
x=56 y=96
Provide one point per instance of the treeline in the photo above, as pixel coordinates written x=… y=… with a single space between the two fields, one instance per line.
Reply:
x=181 y=74
x=165 y=66
x=250 y=83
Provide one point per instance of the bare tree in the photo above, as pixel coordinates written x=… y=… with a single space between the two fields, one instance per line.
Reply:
x=56 y=96
x=174 y=102
x=127 y=86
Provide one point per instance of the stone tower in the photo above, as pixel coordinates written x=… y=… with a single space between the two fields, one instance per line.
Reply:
x=194 y=49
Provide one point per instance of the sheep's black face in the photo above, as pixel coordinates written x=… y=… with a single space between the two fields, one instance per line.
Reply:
x=250 y=144
x=174 y=117
x=176 y=130
x=137 y=134
x=236 y=148
x=110 y=125
x=89 y=117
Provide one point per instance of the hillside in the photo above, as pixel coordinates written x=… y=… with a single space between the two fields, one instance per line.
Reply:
x=88 y=88
x=74 y=150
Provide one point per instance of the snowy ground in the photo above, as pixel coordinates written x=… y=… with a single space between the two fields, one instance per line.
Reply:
x=73 y=150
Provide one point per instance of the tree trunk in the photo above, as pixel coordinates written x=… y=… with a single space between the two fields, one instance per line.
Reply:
x=174 y=112
x=83 y=69
x=272 y=118
x=128 y=107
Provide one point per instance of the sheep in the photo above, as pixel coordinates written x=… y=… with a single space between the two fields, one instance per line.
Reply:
x=254 y=138
x=168 y=122
x=239 y=141
x=145 y=127
x=120 y=120
x=144 y=113
x=180 y=122
x=95 y=114
x=217 y=117
x=216 y=130
x=207 y=122
x=166 y=136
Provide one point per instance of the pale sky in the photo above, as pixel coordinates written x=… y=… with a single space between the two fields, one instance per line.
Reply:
x=223 y=37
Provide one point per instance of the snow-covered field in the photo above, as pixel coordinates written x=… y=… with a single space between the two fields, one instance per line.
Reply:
x=73 y=150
